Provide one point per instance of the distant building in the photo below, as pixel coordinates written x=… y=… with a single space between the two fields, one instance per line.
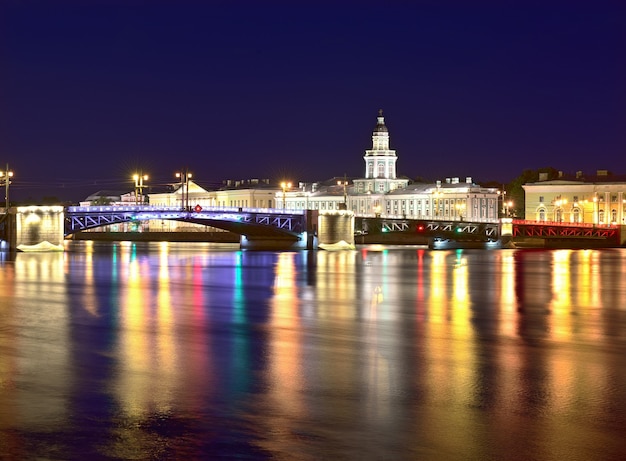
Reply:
x=109 y=197
x=247 y=193
x=598 y=199
x=382 y=193
x=182 y=195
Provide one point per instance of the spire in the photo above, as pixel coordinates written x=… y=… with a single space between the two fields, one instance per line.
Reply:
x=380 y=125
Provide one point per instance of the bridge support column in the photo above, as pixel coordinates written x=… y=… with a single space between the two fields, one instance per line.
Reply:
x=506 y=232
x=39 y=228
x=336 y=230
x=7 y=230
x=33 y=228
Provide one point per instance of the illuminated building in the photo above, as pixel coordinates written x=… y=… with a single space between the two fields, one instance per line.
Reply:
x=600 y=199
x=382 y=193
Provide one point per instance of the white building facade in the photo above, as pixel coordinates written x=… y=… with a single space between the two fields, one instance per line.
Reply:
x=381 y=193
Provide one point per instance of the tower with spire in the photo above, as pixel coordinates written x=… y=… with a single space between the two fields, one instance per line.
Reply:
x=380 y=163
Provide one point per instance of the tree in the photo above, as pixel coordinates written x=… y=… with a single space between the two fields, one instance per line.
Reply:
x=102 y=201
x=515 y=191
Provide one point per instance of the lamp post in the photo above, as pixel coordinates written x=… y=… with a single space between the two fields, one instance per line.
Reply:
x=509 y=204
x=139 y=179
x=184 y=186
x=558 y=204
x=580 y=206
x=285 y=185
x=7 y=175
x=344 y=183
x=460 y=209
x=436 y=194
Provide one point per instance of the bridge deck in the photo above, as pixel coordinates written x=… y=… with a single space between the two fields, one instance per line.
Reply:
x=250 y=221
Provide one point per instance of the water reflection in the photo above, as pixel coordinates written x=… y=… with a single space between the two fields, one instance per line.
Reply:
x=171 y=349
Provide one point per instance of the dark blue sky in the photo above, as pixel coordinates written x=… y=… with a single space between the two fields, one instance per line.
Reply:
x=92 y=91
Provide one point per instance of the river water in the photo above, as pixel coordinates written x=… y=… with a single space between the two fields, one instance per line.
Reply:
x=197 y=351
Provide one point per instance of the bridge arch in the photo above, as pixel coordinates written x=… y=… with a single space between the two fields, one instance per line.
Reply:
x=270 y=226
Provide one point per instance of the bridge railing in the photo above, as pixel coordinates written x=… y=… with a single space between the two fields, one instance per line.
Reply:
x=149 y=208
x=426 y=218
x=561 y=223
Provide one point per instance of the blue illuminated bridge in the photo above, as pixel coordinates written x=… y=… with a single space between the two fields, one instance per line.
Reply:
x=251 y=222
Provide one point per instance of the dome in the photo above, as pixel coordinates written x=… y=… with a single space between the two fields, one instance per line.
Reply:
x=380 y=126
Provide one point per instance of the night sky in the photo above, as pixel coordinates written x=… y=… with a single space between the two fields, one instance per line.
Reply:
x=92 y=91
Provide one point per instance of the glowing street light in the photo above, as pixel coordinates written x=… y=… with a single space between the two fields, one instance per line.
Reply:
x=509 y=205
x=344 y=183
x=558 y=208
x=7 y=175
x=139 y=179
x=437 y=202
x=184 y=184
x=460 y=210
x=285 y=185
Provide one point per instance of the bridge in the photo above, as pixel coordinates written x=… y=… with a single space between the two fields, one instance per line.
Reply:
x=504 y=233
x=292 y=228
x=562 y=234
x=24 y=227
x=435 y=233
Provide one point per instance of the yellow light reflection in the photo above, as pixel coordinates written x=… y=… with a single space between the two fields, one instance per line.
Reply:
x=335 y=288
x=286 y=361
x=508 y=303
x=44 y=321
x=560 y=306
x=89 y=296
x=166 y=357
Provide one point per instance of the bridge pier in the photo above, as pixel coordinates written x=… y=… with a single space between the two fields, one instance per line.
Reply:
x=32 y=228
x=336 y=230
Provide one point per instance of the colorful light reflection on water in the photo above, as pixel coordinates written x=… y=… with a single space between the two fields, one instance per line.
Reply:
x=172 y=351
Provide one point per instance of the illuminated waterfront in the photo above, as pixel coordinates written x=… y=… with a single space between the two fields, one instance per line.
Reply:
x=192 y=351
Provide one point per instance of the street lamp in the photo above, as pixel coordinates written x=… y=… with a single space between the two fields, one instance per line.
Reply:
x=558 y=203
x=460 y=209
x=139 y=179
x=7 y=175
x=509 y=204
x=580 y=206
x=285 y=185
x=436 y=200
x=184 y=186
x=344 y=183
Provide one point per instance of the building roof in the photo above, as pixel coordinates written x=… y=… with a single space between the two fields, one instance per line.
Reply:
x=380 y=125
x=105 y=193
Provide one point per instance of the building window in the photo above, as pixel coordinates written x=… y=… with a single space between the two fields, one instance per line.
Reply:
x=542 y=214
x=541 y=199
